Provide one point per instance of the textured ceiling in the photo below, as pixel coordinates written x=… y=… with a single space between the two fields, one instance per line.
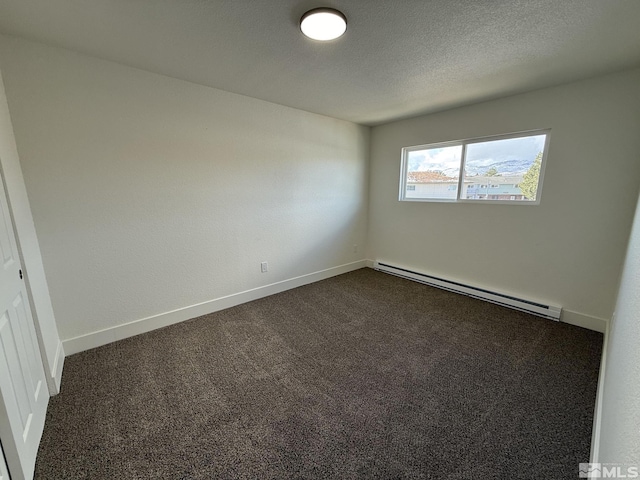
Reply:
x=398 y=58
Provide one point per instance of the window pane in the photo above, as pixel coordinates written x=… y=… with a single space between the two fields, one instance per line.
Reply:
x=433 y=173
x=503 y=169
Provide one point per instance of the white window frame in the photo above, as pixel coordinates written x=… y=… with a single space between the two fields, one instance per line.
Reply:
x=463 y=143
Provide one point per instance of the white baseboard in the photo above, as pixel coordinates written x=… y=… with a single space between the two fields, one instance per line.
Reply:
x=584 y=321
x=120 y=332
x=597 y=412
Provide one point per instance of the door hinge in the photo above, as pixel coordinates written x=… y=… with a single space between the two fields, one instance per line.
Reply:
x=20 y=274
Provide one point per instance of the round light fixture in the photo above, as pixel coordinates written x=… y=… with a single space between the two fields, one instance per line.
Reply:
x=323 y=24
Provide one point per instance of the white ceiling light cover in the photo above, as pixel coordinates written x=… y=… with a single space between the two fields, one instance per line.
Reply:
x=323 y=24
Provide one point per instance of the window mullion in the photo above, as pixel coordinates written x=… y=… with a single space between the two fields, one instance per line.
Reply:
x=463 y=161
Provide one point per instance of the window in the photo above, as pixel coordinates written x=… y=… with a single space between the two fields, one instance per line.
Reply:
x=512 y=165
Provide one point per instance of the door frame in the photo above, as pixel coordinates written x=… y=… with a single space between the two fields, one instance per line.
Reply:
x=35 y=288
x=49 y=343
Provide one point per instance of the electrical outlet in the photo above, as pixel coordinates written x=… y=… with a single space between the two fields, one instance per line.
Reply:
x=264 y=267
x=355 y=249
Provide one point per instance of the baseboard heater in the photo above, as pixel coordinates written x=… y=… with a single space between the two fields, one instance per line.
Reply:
x=547 y=311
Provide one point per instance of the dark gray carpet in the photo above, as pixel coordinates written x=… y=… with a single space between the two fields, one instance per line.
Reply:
x=364 y=375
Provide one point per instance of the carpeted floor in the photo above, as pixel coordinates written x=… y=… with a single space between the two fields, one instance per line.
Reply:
x=364 y=375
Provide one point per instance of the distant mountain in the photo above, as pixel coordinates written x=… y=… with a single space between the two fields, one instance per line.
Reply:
x=505 y=168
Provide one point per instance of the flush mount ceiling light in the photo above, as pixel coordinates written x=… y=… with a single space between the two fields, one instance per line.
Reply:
x=323 y=24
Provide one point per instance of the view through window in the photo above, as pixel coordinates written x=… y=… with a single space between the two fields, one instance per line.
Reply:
x=505 y=169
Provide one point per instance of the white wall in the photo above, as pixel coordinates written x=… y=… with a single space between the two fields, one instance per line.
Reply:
x=568 y=250
x=35 y=279
x=151 y=194
x=619 y=404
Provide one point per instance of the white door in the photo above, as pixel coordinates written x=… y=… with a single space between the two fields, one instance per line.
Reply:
x=4 y=473
x=23 y=392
